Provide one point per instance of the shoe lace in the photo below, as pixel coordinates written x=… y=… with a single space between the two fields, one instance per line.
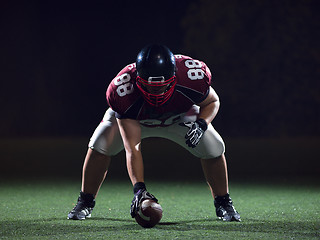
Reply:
x=225 y=202
x=229 y=207
x=81 y=205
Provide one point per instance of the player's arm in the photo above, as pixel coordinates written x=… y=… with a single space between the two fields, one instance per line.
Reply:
x=208 y=110
x=209 y=107
x=131 y=135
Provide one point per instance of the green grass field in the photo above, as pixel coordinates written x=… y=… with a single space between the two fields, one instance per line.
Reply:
x=38 y=210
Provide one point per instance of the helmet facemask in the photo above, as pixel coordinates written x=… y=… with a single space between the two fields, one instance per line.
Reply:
x=156 y=78
x=156 y=90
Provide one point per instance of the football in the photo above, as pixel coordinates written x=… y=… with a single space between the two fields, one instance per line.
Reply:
x=149 y=214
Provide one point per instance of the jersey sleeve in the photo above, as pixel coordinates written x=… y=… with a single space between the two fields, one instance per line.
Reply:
x=193 y=78
x=122 y=92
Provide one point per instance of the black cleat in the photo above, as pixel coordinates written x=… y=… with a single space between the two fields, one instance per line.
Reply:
x=84 y=207
x=225 y=209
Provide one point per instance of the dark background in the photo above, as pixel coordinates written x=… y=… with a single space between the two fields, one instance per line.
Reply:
x=57 y=59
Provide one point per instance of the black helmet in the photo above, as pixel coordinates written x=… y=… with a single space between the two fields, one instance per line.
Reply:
x=156 y=73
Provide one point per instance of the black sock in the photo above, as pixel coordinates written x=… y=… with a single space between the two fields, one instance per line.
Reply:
x=221 y=199
x=87 y=198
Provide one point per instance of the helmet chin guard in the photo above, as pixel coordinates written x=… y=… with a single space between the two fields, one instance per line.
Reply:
x=156 y=99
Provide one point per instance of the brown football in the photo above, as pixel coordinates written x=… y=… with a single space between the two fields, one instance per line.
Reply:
x=149 y=214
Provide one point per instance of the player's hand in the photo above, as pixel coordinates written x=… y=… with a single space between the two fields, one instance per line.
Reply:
x=138 y=198
x=196 y=131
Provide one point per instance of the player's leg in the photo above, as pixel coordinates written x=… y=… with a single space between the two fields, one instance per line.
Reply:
x=210 y=150
x=104 y=143
x=94 y=171
x=215 y=172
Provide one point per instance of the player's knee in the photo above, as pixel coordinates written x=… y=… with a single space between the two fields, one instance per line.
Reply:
x=98 y=149
x=106 y=138
x=221 y=149
x=218 y=149
x=214 y=145
x=101 y=145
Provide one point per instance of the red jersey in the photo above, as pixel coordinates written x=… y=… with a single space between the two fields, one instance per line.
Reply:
x=193 y=82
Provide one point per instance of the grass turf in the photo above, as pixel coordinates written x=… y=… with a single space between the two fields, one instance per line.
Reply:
x=38 y=210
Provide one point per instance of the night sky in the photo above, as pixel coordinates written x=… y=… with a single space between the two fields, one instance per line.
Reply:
x=57 y=60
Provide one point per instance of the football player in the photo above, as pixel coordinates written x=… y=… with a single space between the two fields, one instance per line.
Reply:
x=160 y=95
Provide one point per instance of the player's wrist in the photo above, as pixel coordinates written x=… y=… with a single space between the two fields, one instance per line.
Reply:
x=202 y=124
x=138 y=186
